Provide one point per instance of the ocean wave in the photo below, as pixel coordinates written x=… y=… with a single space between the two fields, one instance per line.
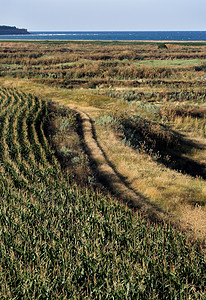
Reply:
x=63 y=34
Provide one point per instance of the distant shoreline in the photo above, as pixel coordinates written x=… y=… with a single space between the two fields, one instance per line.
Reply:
x=12 y=30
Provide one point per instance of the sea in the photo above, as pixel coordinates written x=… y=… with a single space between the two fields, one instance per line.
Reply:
x=111 y=35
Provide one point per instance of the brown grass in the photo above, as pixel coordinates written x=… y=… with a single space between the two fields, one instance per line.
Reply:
x=168 y=189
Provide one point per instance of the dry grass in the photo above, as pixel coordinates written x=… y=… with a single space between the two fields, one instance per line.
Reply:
x=193 y=126
x=169 y=189
x=195 y=219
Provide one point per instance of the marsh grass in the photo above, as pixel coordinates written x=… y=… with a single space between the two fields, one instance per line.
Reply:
x=93 y=65
x=171 y=63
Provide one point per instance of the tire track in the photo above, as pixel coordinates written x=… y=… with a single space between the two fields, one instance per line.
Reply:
x=106 y=173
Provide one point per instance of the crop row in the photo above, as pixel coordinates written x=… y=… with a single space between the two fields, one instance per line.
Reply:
x=23 y=147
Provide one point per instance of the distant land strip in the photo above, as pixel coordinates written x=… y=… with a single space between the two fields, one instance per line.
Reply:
x=7 y=30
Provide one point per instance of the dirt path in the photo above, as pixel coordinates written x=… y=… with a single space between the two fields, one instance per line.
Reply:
x=110 y=177
x=116 y=184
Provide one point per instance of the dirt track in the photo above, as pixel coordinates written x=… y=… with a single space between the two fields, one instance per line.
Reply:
x=110 y=177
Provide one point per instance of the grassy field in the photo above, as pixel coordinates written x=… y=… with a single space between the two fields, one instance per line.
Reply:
x=63 y=236
x=172 y=63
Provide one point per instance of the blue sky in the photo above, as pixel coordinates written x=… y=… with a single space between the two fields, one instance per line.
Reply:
x=97 y=15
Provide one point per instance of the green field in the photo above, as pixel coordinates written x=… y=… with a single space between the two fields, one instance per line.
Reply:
x=65 y=234
x=171 y=63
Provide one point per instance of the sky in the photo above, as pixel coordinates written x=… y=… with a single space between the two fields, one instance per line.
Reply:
x=104 y=15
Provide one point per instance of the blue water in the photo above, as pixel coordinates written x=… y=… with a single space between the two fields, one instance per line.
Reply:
x=112 y=35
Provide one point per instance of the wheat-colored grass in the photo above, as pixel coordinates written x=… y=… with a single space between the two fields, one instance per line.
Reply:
x=169 y=189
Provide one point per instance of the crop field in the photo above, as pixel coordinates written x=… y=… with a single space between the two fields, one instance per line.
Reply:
x=66 y=233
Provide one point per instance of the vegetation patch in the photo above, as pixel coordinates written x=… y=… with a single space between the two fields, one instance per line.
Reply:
x=157 y=140
x=64 y=134
x=62 y=241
